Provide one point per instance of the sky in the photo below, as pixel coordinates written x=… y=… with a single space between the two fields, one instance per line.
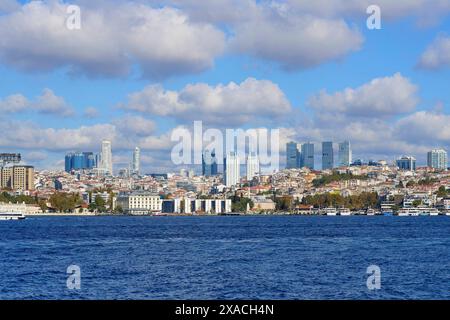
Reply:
x=135 y=71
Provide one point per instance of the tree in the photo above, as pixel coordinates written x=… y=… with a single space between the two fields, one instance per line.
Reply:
x=442 y=192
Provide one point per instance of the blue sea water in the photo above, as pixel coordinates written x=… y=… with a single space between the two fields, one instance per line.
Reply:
x=272 y=257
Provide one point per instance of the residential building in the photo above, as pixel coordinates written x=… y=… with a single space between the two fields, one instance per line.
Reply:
x=252 y=166
x=17 y=177
x=232 y=169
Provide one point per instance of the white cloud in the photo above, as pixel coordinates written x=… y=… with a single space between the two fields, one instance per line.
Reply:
x=135 y=125
x=50 y=103
x=295 y=41
x=13 y=103
x=8 y=6
x=381 y=97
x=250 y=100
x=437 y=55
x=46 y=103
x=162 y=41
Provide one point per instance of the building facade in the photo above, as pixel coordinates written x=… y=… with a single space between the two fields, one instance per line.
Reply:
x=407 y=163
x=232 y=170
x=136 y=165
x=106 y=158
x=307 y=155
x=209 y=163
x=139 y=203
x=292 y=155
x=17 y=177
x=79 y=161
x=252 y=166
x=345 y=154
x=327 y=155
x=438 y=159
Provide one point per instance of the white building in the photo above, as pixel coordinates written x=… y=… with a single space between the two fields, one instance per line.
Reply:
x=188 y=206
x=136 y=167
x=106 y=158
x=139 y=202
x=252 y=166
x=232 y=168
x=437 y=159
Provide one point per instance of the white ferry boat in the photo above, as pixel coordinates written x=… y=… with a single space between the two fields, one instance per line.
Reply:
x=370 y=212
x=345 y=212
x=408 y=212
x=330 y=211
x=11 y=216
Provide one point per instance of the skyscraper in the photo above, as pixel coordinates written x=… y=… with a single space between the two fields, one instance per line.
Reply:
x=209 y=163
x=327 y=155
x=79 y=161
x=136 y=161
x=345 y=154
x=307 y=155
x=406 y=163
x=438 y=159
x=292 y=156
x=106 y=157
x=252 y=166
x=232 y=169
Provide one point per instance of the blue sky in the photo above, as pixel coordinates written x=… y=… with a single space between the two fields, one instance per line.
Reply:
x=233 y=55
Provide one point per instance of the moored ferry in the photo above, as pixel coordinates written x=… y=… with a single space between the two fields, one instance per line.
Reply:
x=345 y=212
x=330 y=211
x=12 y=216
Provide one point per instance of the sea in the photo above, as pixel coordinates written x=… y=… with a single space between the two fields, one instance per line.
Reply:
x=225 y=257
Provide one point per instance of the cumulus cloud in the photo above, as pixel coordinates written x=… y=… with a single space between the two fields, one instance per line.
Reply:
x=437 y=55
x=295 y=41
x=162 y=41
x=135 y=125
x=8 y=6
x=381 y=97
x=249 y=100
x=46 y=103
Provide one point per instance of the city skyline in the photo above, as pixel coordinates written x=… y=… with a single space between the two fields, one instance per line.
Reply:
x=389 y=107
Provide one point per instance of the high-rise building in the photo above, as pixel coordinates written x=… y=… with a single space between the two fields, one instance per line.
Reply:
x=292 y=155
x=406 y=163
x=345 y=154
x=79 y=160
x=136 y=161
x=438 y=159
x=232 y=169
x=307 y=155
x=17 y=177
x=209 y=163
x=252 y=166
x=106 y=157
x=327 y=155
